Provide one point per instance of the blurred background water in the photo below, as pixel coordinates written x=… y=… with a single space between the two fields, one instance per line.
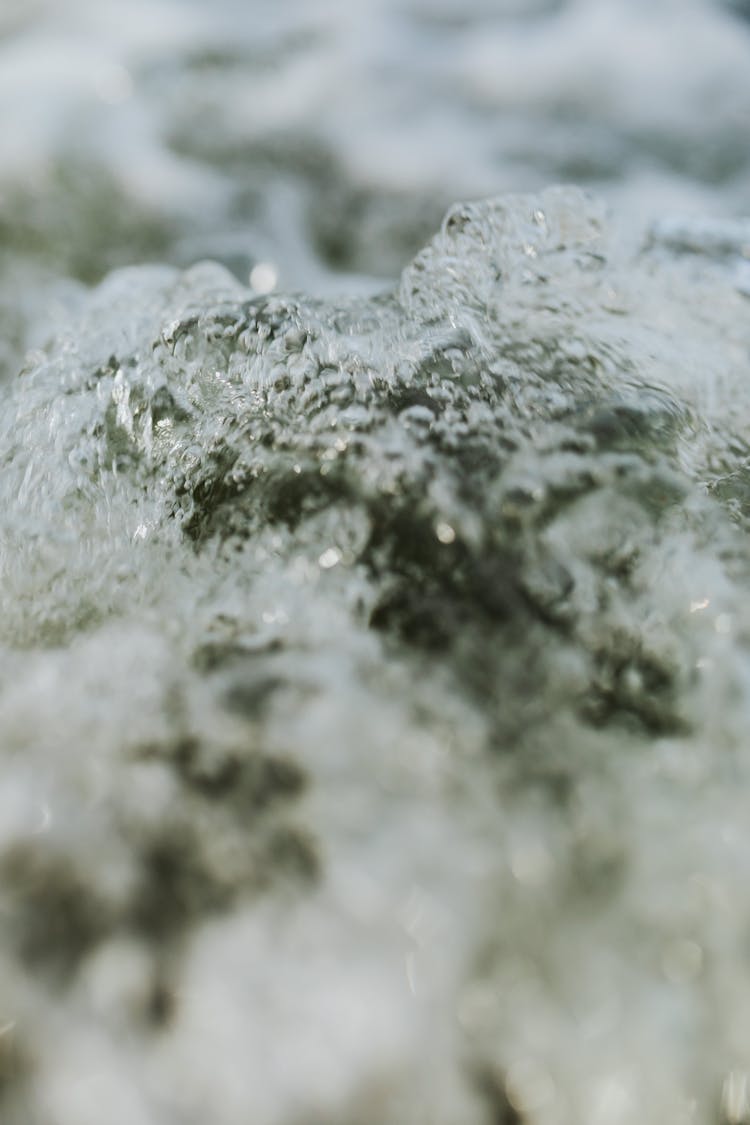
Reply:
x=322 y=140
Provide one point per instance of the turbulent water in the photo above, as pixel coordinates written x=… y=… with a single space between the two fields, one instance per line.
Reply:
x=374 y=668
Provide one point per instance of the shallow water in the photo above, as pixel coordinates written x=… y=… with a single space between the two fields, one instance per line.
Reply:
x=374 y=666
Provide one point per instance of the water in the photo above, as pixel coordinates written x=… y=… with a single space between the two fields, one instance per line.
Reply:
x=328 y=137
x=373 y=652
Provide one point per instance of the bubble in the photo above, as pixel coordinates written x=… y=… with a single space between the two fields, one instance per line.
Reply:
x=264 y=277
x=329 y=559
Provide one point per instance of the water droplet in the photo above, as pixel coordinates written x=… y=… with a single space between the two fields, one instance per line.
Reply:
x=329 y=559
x=263 y=277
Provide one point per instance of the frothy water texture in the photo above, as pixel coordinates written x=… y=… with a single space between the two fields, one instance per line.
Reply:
x=374 y=663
